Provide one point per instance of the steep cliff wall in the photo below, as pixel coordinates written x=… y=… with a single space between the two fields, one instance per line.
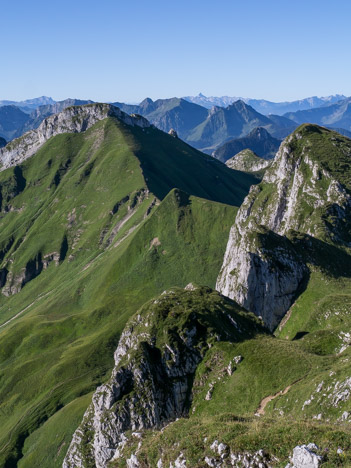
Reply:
x=300 y=193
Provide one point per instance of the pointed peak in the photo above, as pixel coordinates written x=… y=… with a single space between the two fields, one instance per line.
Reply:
x=146 y=101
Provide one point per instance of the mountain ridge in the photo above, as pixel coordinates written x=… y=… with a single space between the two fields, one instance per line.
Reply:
x=71 y=119
x=264 y=106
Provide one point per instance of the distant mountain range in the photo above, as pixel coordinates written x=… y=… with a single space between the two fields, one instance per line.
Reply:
x=333 y=115
x=29 y=104
x=206 y=129
x=203 y=128
x=266 y=107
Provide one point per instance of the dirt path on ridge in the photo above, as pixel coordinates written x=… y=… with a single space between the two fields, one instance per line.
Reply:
x=261 y=409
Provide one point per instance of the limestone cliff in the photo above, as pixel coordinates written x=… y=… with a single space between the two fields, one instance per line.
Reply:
x=71 y=120
x=155 y=363
x=300 y=193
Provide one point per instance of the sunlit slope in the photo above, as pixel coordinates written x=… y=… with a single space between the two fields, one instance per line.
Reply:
x=86 y=238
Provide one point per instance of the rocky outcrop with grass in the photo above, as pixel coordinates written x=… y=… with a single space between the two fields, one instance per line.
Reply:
x=155 y=363
x=303 y=192
x=74 y=119
x=248 y=161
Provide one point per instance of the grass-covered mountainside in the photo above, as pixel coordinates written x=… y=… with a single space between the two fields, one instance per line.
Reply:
x=259 y=141
x=250 y=391
x=155 y=363
x=115 y=348
x=196 y=358
x=92 y=226
x=267 y=392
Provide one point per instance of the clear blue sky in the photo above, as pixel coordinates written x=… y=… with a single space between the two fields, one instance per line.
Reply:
x=123 y=50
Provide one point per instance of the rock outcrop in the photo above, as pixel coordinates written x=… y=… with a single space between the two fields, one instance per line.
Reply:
x=71 y=120
x=155 y=363
x=173 y=133
x=305 y=456
x=248 y=161
x=262 y=268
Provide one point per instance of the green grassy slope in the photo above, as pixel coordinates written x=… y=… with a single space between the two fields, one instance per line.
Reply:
x=81 y=202
x=286 y=372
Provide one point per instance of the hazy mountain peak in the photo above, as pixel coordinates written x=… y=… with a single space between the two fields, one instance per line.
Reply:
x=264 y=106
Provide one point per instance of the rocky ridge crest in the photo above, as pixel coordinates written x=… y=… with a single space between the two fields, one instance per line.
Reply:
x=75 y=119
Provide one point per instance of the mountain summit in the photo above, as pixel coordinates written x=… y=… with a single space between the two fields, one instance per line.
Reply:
x=302 y=205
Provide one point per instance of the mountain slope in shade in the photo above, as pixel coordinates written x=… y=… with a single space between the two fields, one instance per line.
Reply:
x=165 y=114
x=11 y=119
x=205 y=129
x=258 y=140
x=235 y=121
x=2 y=142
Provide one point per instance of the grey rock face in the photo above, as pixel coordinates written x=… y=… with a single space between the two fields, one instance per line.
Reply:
x=304 y=456
x=150 y=385
x=262 y=270
x=71 y=120
x=224 y=457
x=173 y=133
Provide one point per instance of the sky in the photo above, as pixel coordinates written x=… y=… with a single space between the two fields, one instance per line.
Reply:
x=113 y=50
